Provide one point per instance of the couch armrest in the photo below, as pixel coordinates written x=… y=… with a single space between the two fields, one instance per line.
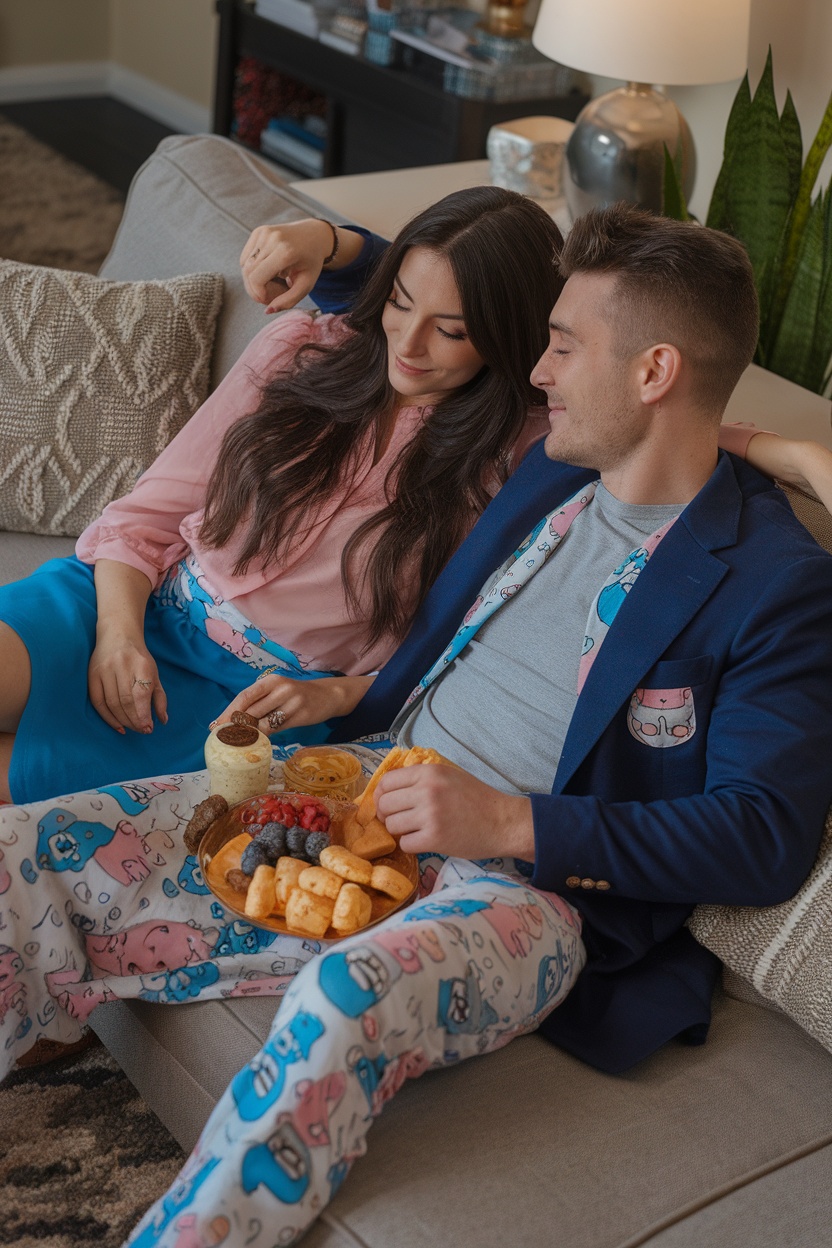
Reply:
x=190 y=209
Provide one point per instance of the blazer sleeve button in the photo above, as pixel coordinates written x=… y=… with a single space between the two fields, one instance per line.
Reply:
x=587 y=883
x=573 y=881
x=603 y=885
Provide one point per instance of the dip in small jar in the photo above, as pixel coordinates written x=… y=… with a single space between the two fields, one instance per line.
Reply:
x=238 y=758
x=321 y=770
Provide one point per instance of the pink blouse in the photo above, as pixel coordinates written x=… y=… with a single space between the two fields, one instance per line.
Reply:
x=301 y=602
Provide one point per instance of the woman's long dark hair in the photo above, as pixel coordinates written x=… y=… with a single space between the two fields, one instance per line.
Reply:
x=278 y=466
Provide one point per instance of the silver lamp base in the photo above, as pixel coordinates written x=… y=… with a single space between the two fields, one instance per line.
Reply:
x=617 y=150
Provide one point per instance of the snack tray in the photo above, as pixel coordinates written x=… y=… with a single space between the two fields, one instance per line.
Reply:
x=231 y=825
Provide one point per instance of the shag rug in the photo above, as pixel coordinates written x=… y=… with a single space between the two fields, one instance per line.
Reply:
x=81 y=1155
x=52 y=211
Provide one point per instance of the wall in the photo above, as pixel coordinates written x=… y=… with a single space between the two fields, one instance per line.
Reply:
x=157 y=55
x=171 y=42
x=42 y=32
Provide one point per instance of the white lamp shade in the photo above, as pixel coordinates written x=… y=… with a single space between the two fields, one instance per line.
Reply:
x=674 y=42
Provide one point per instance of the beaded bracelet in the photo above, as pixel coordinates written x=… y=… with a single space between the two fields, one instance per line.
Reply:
x=336 y=242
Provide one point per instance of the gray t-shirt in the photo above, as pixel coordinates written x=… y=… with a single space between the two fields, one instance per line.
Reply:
x=503 y=707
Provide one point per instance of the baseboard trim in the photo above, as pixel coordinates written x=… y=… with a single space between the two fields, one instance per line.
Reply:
x=20 y=83
x=169 y=107
x=53 y=82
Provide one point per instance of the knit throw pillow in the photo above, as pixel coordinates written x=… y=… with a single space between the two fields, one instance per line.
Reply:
x=785 y=951
x=96 y=377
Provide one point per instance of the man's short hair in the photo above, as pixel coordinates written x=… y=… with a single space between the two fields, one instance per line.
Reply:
x=677 y=282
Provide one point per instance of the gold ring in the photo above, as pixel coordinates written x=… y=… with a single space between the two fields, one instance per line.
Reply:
x=276 y=718
x=145 y=684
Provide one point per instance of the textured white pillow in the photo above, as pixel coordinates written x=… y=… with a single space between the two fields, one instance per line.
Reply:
x=96 y=377
x=784 y=952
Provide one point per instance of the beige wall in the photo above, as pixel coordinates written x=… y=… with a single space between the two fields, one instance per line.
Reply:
x=48 y=32
x=171 y=42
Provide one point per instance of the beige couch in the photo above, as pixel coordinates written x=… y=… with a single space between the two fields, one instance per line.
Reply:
x=727 y=1145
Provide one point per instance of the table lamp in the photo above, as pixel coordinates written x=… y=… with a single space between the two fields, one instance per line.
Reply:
x=617 y=147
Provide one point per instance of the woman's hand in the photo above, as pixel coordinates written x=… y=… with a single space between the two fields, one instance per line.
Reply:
x=807 y=465
x=124 y=683
x=278 y=702
x=122 y=677
x=281 y=263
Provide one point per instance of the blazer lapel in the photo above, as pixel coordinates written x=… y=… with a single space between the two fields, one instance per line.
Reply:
x=676 y=583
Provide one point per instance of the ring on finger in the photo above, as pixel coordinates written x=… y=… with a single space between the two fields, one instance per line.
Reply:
x=276 y=718
x=145 y=684
x=255 y=254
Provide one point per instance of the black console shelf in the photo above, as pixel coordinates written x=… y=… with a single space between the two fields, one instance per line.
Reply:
x=378 y=118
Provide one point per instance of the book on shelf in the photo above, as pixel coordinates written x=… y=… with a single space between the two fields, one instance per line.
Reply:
x=293 y=144
x=297 y=15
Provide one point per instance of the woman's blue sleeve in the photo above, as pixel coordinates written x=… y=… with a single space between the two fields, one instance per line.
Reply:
x=335 y=291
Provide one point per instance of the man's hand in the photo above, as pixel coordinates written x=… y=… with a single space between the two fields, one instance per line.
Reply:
x=443 y=810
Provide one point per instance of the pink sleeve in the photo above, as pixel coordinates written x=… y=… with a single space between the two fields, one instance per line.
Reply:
x=735 y=437
x=142 y=529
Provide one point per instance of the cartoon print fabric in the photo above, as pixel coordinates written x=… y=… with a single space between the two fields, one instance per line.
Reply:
x=530 y=556
x=99 y=899
x=186 y=588
x=462 y=972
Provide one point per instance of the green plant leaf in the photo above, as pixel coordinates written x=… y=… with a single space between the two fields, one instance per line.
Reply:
x=717 y=217
x=792 y=355
x=822 y=340
x=759 y=196
x=802 y=206
x=673 y=197
x=792 y=142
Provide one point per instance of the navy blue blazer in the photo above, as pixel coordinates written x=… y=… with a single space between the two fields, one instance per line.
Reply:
x=735 y=606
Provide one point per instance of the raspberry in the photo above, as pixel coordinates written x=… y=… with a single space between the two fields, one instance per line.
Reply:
x=254 y=829
x=320 y=823
x=315 y=842
x=288 y=816
x=254 y=856
x=306 y=816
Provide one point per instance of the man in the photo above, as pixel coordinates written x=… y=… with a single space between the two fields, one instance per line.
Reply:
x=660 y=645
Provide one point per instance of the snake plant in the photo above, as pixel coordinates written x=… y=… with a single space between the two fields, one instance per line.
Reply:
x=764 y=197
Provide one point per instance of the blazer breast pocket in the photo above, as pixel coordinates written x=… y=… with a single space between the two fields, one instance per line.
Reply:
x=662 y=711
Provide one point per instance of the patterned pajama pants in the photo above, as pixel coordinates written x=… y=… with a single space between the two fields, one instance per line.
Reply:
x=99 y=899
x=482 y=959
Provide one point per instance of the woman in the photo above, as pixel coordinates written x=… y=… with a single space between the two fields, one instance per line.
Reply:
x=299 y=518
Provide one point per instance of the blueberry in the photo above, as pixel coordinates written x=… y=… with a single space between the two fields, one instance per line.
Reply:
x=254 y=856
x=296 y=842
x=273 y=840
x=315 y=842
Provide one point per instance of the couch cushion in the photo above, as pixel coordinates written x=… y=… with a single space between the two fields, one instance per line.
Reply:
x=95 y=379
x=527 y=1145
x=21 y=553
x=191 y=207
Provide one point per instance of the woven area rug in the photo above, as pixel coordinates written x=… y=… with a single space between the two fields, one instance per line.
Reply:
x=52 y=211
x=81 y=1155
